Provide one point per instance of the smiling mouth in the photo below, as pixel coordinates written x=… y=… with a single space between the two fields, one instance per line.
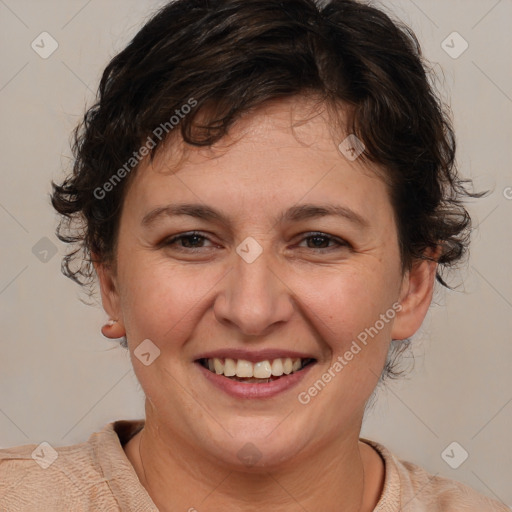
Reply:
x=261 y=372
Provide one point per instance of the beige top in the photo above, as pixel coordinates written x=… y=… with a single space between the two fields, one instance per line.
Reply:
x=97 y=476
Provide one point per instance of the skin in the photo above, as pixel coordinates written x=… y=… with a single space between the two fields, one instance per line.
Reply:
x=296 y=295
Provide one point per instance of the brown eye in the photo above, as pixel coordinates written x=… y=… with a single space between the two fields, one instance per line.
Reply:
x=186 y=241
x=322 y=241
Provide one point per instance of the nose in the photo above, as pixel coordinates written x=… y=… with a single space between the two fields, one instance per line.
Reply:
x=254 y=298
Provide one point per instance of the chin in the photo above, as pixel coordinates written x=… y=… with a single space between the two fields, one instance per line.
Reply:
x=253 y=450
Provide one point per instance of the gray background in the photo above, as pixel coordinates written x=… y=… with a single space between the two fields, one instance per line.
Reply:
x=60 y=380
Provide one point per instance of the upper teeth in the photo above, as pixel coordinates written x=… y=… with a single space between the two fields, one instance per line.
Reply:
x=260 y=370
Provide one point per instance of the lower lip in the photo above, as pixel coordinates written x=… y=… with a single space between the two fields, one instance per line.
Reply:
x=254 y=390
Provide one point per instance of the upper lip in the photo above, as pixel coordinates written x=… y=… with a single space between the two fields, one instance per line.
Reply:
x=253 y=355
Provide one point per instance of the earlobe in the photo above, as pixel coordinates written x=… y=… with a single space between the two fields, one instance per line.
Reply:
x=415 y=296
x=114 y=328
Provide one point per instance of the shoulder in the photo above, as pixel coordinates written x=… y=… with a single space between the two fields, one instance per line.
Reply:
x=32 y=475
x=408 y=486
x=40 y=476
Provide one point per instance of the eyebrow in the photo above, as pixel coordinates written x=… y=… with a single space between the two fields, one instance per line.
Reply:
x=293 y=214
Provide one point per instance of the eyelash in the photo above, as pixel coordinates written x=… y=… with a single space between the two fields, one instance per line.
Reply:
x=314 y=234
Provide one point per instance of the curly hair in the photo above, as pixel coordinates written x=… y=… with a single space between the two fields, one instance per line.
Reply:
x=227 y=57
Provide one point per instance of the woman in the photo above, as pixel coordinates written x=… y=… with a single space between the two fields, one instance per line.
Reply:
x=266 y=192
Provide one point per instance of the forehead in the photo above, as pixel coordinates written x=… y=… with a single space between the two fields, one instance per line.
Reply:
x=284 y=153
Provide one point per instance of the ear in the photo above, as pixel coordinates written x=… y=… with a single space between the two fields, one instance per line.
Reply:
x=110 y=299
x=416 y=295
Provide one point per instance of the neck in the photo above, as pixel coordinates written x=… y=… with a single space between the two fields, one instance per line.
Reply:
x=341 y=476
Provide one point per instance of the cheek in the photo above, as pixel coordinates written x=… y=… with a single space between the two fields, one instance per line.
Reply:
x=347 y=308
x=348 y=301
x=161 y=301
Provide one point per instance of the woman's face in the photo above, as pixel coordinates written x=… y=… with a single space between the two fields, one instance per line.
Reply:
x=266 y=277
